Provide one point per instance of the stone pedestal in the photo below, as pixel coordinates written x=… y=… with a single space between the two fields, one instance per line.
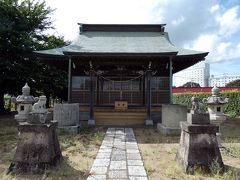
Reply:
x=172 y=114
x=198 y=147
x=37 y=150
x=67 y=116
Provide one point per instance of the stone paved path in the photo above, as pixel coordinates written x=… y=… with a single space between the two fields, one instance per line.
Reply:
x=118 y=157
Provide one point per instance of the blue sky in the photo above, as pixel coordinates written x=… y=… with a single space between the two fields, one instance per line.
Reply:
x=205 y=25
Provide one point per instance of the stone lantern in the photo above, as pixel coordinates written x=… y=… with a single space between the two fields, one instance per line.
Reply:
x=24 y=104
x=215 y=105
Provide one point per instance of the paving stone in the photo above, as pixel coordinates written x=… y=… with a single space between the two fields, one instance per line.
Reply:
x=136 y=171
x=133 y=156
x=117 y=174
x=103 y=155
x=116 y=144
x=119 y=147
x=105 y=146
x=137 y=178
x=101 y=162
x=130 y=140
x=128 y=130
x=96 y=170
x=132 y=151
x=131 y=146
x=118 y=165
x=105 y=150
x=131 y=143
x=97 y=177
x=135 y=163
x=118 y=157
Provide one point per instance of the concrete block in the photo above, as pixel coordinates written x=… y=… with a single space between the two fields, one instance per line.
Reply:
x=66 y=114
x=172 y=114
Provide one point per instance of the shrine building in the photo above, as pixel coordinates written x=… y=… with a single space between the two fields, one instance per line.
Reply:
x=121 y=74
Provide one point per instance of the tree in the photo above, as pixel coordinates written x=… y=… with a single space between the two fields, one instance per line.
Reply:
x=235 y=83
x=190 y=84
x=22 y=27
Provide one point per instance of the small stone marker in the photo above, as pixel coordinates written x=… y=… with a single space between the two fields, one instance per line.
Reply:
x=172 y=114
x=198 y=143
x=67 y=116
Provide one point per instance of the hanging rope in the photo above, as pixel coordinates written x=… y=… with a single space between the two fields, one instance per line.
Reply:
x=107 y=79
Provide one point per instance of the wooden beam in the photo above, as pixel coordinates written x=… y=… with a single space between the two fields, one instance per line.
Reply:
x=69 y=79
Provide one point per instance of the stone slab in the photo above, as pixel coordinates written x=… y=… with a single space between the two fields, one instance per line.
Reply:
x=103 y=155
x=101 y=162
x=98 y=170
x=118 y=157
x=133 y=156
x=97 y=177
x=137 y=178
x=136 y=171
x=118 y=165
x=117 y=174
x=135 y=162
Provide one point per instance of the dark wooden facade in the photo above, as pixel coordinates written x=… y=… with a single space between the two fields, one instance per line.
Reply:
x=110 y=63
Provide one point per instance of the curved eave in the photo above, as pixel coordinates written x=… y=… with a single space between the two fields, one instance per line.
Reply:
x=197 y=55
x=68 y=53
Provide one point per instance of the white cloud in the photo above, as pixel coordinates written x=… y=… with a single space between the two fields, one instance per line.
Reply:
x=205 y=42
x=69 y=13
x=214 y=8
x=178 y=21
x=229 y=22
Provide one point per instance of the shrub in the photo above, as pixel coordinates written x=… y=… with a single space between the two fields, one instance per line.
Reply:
x=231 y=108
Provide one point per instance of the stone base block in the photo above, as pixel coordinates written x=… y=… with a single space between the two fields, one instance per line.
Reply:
x=71 y=129
x=37 y=149
x=91 y=122
x=168 y=130
x=198 y=147
x=149 y=122
x=196 y=118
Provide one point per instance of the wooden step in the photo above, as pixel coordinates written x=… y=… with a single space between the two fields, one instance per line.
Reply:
x=120 y=118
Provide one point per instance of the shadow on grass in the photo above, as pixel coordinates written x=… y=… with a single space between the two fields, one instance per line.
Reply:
x=153 y=136
x=63 y=171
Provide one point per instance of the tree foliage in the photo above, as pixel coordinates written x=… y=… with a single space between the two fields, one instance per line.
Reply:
x=190 y=84
x=23 y=24
x=235 y=83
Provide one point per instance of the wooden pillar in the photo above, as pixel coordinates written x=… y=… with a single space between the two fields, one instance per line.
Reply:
x=69 y=79
x=149 y=120
x=170 y=79
x=91 y=120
